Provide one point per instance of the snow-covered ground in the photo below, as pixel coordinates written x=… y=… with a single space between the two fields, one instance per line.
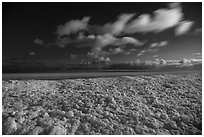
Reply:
x=154 y=104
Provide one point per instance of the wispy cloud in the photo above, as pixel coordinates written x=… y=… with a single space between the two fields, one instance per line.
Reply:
x=32 y=53
x=196 y=60
x=152 y=50
x=162 y=19
x=115 y=28
x=116 y=50
x=184 y=61
x=159 y=44
x=72 y=56
x=129 y=40
x=98 y=42
x=198 y=53
x=183 y=27
x=141 y=53
x=72 y=26
x=155 y=56
x=126 y=24
x=117 y=33
x=163 y=62
x=38 y=41
x=198 y=31
x=97 y=58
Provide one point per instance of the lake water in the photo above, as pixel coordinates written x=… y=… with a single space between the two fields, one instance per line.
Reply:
x=73 y=75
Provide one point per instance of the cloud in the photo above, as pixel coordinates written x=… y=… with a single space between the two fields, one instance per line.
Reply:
x=38 y=41
x=117 y=50
x=141 y=53
x=72 y=56
x=72 y=26
x=129 y=40
x=174 y=5
x=195 y=60
x=173 y=62
x=155 y=56
x=148 y=62
x=97 y=58
x=117 y=33
x=163 y=62
x=152 y=50
x=98 y=43
x=190 y=62
x=117 y=27
x=102 y=59
x=132 y=50
x=125 y=24
x=183 y=27
x=198 y=31
x=153 y=45
x=163 y=43
x=114 y=28
x=32 y=53
x=158 y=44
x=137 y=61
x=129 y=51
x=162 y=19
x=196 y=53
x=184 y=61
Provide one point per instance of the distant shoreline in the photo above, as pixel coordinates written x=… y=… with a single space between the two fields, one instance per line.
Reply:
x=94 y=74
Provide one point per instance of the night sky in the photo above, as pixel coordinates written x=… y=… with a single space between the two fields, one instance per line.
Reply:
x=116 y=32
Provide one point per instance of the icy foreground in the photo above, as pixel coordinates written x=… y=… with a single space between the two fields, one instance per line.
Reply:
x=156 y=104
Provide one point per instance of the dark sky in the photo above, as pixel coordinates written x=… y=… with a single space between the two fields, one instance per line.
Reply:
x=122 y=32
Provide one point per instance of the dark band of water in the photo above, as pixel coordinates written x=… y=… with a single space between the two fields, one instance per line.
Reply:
x=57 y=76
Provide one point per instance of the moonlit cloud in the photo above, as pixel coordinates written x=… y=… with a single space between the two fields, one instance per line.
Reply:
x=141 y=53
x=198 y=31
x=163 y=62
x=107 y=59
x=158 y=44
x=153 y=45
x=132 y=50
x=72 y=26
x=126 y=24
x=163 y=43
x=32 y=53
x=119 y=34
x=184 y=61
x=155 y=56
x=152 y=50
x=183 y=27
x=196 y=60
x=137 y=61
x=98 y=42
x=38 y=41
x=174 y=5
x=129 y=40
x=118 y=26
x=98 y=58
x=72 y=56
x=196 y=53
x=112 y=28
x=162 y=19
x=116 y=51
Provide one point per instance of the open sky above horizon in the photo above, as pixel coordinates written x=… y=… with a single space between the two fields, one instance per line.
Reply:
x=120 y=32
